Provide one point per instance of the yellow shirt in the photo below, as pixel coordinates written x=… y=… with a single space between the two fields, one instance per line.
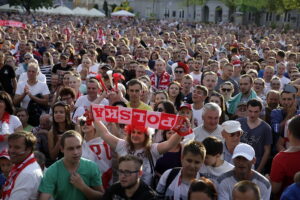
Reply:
x=142 y=106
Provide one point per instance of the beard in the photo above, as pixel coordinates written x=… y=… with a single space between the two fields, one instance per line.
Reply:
x=130 y=185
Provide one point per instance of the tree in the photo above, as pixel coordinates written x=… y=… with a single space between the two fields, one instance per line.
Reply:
x=105 y=7
x=31 y=4
x=96 y=6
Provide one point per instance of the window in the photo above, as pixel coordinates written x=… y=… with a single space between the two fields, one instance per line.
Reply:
x=174 y=13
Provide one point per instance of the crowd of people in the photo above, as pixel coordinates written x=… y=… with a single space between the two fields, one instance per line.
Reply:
x=237 y=86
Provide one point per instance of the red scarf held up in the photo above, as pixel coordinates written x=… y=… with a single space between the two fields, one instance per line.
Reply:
x=13 y=174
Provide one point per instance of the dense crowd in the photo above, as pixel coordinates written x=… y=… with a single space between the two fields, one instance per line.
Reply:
x=237 y=86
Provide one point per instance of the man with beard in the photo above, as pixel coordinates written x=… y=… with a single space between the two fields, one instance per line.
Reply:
x=130 y=185
x=243 y=159
x=246 y=93
x=272 y=103
x=280 y=116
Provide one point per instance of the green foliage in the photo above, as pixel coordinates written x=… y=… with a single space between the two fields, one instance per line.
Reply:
x=96 y=6
x=193 y=2
x=278 y=6
x=113 y=6
x=31 y=4
x=105 y=7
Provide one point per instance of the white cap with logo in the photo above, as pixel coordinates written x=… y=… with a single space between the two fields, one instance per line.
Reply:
x=244 y=150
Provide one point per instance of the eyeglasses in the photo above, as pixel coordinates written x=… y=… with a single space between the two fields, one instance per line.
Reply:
x=127 y=172
x=237 y=134
x=226 y=89
x=178 y=72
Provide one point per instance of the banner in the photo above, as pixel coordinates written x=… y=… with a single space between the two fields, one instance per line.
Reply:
x=156 y=120
x=12 y=23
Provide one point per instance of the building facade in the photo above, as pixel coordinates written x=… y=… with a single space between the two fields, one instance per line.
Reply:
x=213 y=11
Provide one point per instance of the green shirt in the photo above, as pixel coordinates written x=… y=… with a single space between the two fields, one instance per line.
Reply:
x=57 y=180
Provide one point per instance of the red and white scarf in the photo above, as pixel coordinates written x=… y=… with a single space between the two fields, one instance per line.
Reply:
x=5 y=122
x=13 y=174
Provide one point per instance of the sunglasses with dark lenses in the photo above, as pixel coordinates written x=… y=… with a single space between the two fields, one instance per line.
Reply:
x=226 y=89
x=83 y=122
x=237 y=134
x=178 y=72
x=27 y=58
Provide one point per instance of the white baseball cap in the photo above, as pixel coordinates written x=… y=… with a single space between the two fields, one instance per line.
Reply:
x=232 y=126
x=244 y=150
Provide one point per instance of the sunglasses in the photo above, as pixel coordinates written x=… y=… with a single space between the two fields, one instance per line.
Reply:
x=226 y=89
x=237 y=134
x=83 y=122
x=178 y=72
x=27 y=58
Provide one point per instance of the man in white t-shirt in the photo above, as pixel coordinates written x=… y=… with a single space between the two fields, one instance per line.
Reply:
x=243 y=158
x=26 y=174
x=196 y=73
x=92 y=96
x=199 y=95
x=210 y=127
x=214 y=165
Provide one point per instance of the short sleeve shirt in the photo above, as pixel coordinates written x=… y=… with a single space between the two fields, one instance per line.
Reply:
x=57 y=180
x=122 y=149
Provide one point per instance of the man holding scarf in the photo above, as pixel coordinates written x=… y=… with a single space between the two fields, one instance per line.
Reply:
x=24 y=178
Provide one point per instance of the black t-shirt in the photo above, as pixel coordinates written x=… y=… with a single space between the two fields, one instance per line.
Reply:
x=7 y=73
x=58 y=67
x=144 y=192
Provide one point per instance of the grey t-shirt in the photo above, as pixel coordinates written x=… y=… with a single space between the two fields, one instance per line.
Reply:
x=257 y=137
x=227 y=181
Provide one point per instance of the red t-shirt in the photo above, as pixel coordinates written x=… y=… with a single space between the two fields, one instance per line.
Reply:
x=284 y=166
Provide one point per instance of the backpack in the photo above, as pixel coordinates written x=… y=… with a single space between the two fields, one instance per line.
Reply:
x=173 y=173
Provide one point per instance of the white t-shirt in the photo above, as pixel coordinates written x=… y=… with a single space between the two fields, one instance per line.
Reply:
x=27 y=183
x=196 y=78
x=38 y=88
x=93 y=70
x=177 y=189
x=14 y=123
x=98 y=151
x=23 y=77
x=283 y=81
x=201 y=133
x=214 y=172
x=197 y=114
x=122 y=149
x=84 y=102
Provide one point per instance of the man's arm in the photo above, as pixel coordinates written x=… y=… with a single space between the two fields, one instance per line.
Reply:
x=267 y=151
x=95 y=192
x=44 y=196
